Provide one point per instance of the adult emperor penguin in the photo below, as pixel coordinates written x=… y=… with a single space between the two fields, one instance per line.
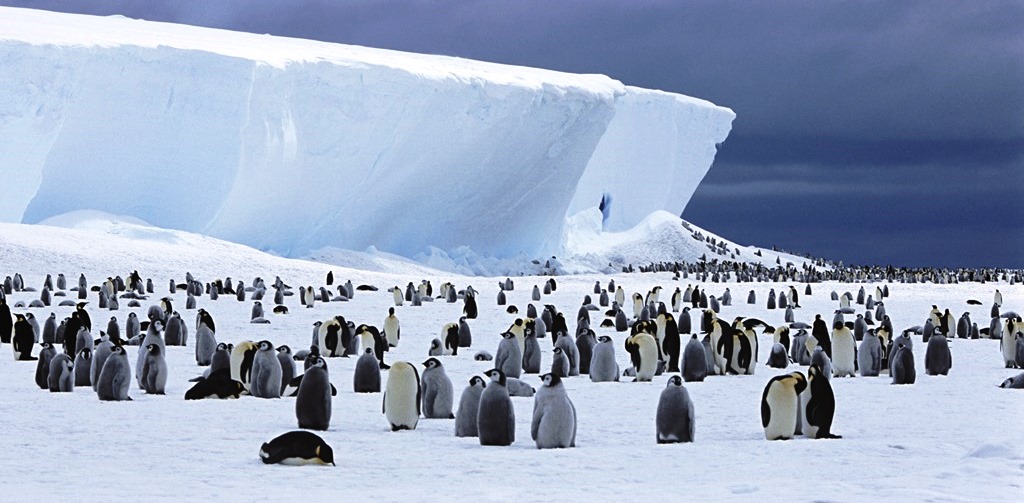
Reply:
x=242 y=356
x=671 y=345
x=496 y=418
x=61 y=377
x=821 y=407
x=115 y=377
x=695 y=366
x=297 y=448
x=508 y=358
x=869 y=356
x=366 y=378
x=554 y=416
x=402 y=396
x=643 y=352
x=266 y=372
x=901 y=365
x=313 y=399
x=392 y=328
x=6 y=323
x=603 y=367
x=937 y=358
x=780 y=405
x=23 y=339
x=820 y=332
x=1007 y=343
x=450 y=338
x=469 y=405
x=437 y=392
x=674 y=420
x=844 y=351
x=154 y=370
x=330 y=335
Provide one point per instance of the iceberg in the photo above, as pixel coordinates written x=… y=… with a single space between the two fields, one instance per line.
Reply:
x=291 y=145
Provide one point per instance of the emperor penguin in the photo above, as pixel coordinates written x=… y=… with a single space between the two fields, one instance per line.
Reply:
x=643 y=352
x=559 y=363
x=674 y=420
x=469 y=308
x=603 y=367
x=50 y=329
x=173 y=332
x=437 y=392
x=778 y=358
x=508 y=358
x=154 y=370
x=620 y=295
x=668 y=336
x=465 y=335
x=1008 y=342
x=366 y=378
x=821 y=407
x=901 y=365
x=585 y=342
x=469 y=405
x=100 y=353
x=554 y=416
x=115 y=377
x=392 y=327
x=284 y=355
x=266 y=372
x=531 y=354
x=206 y=344
x=684 y=324
x=297 y=448
x=330 y=335
x=23 y=339
x=396 y=294
x=61 y=377
x=313 y=399
x=450 y=338
x=937 y=358
x=242 y=357
x=869 y=356
x=46 y=353
x=844 y=351
x=496 y=418
x=572 y=353
x=152 y=337
x=83 y=362
x=695 y=364
x=402 y=396
x=780 y=405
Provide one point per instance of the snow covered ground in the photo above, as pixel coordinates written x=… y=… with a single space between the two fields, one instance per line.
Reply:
x=955 y=438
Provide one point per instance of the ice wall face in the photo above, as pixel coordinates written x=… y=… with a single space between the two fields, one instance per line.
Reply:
x=291 y=145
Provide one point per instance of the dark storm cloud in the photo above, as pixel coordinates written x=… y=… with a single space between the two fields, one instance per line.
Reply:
x=896 y=125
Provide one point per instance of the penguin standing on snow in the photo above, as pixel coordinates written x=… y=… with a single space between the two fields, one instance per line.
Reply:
x=554 y=416
x=496 y=418
x=674 y=419
x=822 y=405
x=469 y=404
x=436 y=390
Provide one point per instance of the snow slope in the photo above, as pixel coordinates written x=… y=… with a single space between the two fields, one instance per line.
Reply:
x=955 y=438
x=293 y=145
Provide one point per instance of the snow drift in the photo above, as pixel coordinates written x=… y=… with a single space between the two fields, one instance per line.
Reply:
x=292 y=145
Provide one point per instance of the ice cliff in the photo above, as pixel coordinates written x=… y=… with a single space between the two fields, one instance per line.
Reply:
x=292 y=145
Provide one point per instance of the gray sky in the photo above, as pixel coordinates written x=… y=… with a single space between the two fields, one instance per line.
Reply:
x=874 y=132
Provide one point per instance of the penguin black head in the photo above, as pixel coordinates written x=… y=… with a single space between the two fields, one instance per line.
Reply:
x=511 y=309
x=837 y=325
x=314 y=351
x=325 y=453
x=391 y=311
x=153 y=348
x=284 y=349
x=81 y=305
x=319 y=362
x=436 y=343
x=675 y=380
x=550 y=380
x=432 y=363
x=45 y=345
x=605 y=338
x=116 y=350
x=557 y=351
x=507 y=335
x=86 y=353
x=477 y=380
x=496 y=375
x=265 y=345
x=222 y=346
x=368 y=351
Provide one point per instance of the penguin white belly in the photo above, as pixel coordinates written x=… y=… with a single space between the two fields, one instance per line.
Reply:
x=784 y=405
x=648 y=362
x=1009 y=345
x=843 y=355
x=400 y=403
x=810 y=431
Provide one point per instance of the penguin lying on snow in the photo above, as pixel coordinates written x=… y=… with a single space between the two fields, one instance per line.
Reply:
x=297 y=448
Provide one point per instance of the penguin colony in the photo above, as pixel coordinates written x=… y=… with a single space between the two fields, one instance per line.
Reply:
x=687 y=337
